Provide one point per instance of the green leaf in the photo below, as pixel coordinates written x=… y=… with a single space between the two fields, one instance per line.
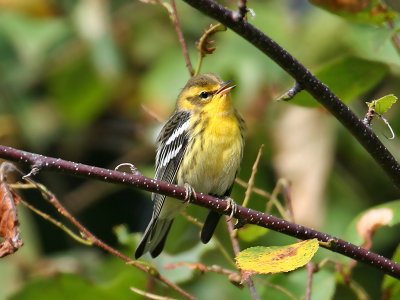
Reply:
x=382 y=105
x=250 y=233
x=348 y=78
x=265 y=260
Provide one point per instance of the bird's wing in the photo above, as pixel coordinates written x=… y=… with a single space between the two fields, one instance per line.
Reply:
x=172 y=143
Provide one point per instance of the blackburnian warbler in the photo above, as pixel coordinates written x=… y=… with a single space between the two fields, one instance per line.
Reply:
x=201 y=147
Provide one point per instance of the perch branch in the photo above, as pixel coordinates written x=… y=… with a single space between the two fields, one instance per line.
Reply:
x=245 y=215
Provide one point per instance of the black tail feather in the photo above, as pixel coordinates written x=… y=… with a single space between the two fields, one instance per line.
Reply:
x=154 y=237
x=209 y=226
x=160 y=246
x=140 y=250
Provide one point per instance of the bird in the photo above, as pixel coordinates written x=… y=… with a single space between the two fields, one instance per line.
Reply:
x=200 y=147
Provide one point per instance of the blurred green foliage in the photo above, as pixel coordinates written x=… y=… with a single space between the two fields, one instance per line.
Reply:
x=88 y=80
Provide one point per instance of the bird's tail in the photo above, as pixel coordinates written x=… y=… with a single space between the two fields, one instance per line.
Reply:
x=209 y=226
x=154 y=237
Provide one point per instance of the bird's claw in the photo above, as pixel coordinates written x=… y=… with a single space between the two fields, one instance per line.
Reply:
x=189 y=192
x=232 y=206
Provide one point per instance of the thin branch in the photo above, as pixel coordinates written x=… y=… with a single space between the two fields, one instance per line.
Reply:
x=245 y=215
x=233 y=237
x=256 y=190
x=310 y=271
x=288 y=199
x=57 y=224
x=308 y=81
x=297 y=88
x=233 y=276
x=178 y=28
x=250 y=184
x=395 y=36
x=236 y=250
x=369 y=116
x=149 y=295
x=90 y=237
x=281 y=289
x=273 y=200
x=204 y=268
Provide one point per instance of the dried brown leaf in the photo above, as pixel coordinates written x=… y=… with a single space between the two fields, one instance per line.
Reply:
x=9 y=225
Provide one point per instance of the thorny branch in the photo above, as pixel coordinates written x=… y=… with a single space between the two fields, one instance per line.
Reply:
x=245 y=215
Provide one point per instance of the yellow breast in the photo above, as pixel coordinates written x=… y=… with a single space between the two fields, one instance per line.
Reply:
x=213 y=155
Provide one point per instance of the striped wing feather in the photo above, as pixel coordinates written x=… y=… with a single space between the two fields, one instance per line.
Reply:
x=172 y=143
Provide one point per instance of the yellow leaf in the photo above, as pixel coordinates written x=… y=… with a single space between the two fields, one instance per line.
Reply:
x=265 y=260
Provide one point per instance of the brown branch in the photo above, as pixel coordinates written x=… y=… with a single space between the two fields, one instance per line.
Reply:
x=395 y=36
x=245 y=215
x=236 y=250
x=56 y=223
x=255 y=190
x=250 y=184
x=178 y=28
x=310 y=274
x=150 y=295
x=89 y=236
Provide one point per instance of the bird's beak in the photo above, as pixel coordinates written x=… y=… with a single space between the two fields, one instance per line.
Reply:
x=225 y=88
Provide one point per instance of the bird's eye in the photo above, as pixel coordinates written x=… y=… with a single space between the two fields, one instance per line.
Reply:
x=204 y=95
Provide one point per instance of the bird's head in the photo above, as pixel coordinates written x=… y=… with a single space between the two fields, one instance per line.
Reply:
x=206 y=92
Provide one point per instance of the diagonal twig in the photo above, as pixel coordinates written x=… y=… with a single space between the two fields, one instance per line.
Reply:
x=178 y=29
x=90 y=238
x=250 y=184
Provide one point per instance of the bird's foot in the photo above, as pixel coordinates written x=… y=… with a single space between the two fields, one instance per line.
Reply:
x=231 y=206
x=190 y=193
